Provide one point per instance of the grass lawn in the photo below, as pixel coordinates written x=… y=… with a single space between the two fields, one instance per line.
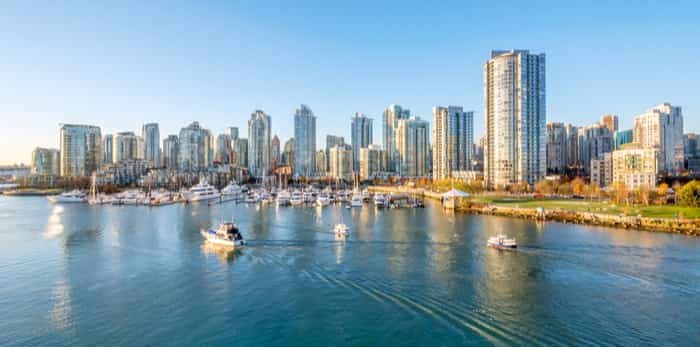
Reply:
x=666 y=211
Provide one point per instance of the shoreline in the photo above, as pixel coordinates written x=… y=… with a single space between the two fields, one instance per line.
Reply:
x=637 y=223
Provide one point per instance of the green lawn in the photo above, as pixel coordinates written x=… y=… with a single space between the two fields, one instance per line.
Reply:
x=667 y=211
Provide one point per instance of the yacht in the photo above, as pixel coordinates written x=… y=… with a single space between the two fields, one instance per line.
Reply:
x=202 y=192
x=283 y=198
x=323 y=199
x=379 y=200
x=356 y=200
x=68 y=197
x=308 y=196
x=502 y=242
x=231 y=189
x=341 y=229
x=226 y=234
x=366 y=197
x=296 y=199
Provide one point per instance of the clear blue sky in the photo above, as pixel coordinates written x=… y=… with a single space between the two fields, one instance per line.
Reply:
x=126 y=63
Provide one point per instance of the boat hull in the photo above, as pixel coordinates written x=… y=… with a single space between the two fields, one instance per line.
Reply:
x=213 y=239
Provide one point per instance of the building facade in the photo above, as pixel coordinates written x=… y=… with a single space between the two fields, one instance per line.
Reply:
x=170 y=152
x=193 y=151
x=636 y=165
x=126 y=147
x=304 y=141
x=360 y=137
x=371 y=162
x=593 y=141
x=662 y=127
x=412 y=147
x=341 y=163
x=390 y=121
x=557 y=153
x=609 y=121
x=515 y=115
x=259 y=140
x=321 y=163
x=275 y=152
x=224 y=152
x=80 y=149
x=107 y=149
x=151 y=137
x=288 y=154
x=602 y=170
x=46 y=162
x=453 y=140
x=623 y=137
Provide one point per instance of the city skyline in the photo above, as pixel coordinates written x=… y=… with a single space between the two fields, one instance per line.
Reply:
x=90 y=72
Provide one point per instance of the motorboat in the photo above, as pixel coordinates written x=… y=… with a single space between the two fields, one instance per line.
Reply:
x=502 y=242
x=379 y=200
x=308 y=197
x=227 y=234
x=202 y=191
x=283 y=198
x=231 y=189
x=323 y=199
x=366 y=196
x=341 y=229
x=296 y=199
x=72 y=196
x=356 y=200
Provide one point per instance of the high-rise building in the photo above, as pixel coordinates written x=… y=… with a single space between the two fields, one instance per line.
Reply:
x=361 y=136
x=304 y=141
x=453 y=140
x=259 y=144
x=371 y=162
x=80 y=150
x=242 y=152
x=609 y=121
x=224 y=151
x=413 y=146
x=572 y=159
x=636 y=165
x=556 y=148
x=515 y=113
x=601 y=170
x=107 y=148
x=321 y=163
x=341 y=163
x=170 y=152
x=46 y=162
x=275 y=152
x=622 y=137
x=691 y=150
x=593 y=141
x=288 y=153
x=193 y=151
x=233 y=132
x=662 y=127
x=151 y=137
x=125 y=147
x=332 y=141
x=390 y=120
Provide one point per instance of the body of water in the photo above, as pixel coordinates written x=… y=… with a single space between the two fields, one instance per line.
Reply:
x=136 y=276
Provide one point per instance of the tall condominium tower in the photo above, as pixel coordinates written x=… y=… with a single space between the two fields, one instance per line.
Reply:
x=107 y=148
x=341 y=163
x=259 y=144
x=223 y=149
x=361 y=137
x=194 y=145
x=662 y=127
x=390 y=120
x=412 y=147
x=170 y=152
x=275 y=152
x=305 y=141
x=594 y=140
x=332 y=141
x=515 y=114
x=556 y=148
x=125 y=147
x=151 y=138
x=453 y=136
x=610 y=122
x=46 y=161
x=288 y=153
x=80 y=149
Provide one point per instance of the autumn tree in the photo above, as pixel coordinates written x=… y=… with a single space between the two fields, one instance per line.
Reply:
x=577 y=185
x=689 y=194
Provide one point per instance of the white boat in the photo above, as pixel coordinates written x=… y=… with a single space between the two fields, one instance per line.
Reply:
x=366 y=197
x=231 y=189
x=202 y=192
x=226 y=234
x=323 y=199
x=502 y=242
x=341 y=229
x=296 y=199
x=283 y=198
x=379 y=200
x=356 y=200
x=68 y=197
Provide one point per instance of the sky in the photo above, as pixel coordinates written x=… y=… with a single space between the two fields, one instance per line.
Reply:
x=121 y=64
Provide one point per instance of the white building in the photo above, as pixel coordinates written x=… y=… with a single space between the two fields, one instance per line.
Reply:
x=453 y=140
x=636 y=165
x=515 y=114
x=413 y=147
x=371 y=161
x=125 y=147
x=259 y=141
x=46 y=161
x=341 y=163
x=80 y=149
x=193 y=148
x=662 y=127
x=602 y=170
x=390 y=121
x=151 y=137
x=361 y=136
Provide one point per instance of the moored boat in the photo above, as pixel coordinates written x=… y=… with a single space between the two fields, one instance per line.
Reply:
x=74 y=196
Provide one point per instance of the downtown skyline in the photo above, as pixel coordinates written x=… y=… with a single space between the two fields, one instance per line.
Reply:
x=107 y=78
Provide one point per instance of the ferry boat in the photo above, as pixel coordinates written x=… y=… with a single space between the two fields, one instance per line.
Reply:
x=341 y=229
x=68 y=197
x=202 y=192
x=502 y=242
x=226 y=234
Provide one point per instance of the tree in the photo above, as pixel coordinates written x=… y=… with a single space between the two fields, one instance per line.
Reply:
x=689 y=194
x=621 y=192
x=642 y=194
x=577 y=185
x=676 y=189
x=564 y=189
x=662 y=190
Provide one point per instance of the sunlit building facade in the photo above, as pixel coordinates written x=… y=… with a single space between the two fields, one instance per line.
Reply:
x=80 y=149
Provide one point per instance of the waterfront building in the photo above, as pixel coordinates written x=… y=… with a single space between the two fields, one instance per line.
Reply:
x=107 y=149
x=662 y=127
x=609 y=121
x=150 y=134
x=515 y=115
x=341 y=163
x=233 y=132
x=453 y=140
x=170 y=152
x=259 y=144
x=636 y=165
x=125 y=146
x=390 y=121
x=80 y=149
x=557 y=160
x=304 y=141
x=371 y=162
x=275 y=152
x=46 y=162
x=360 y=137
x=288 y=153
x=572 y=159
x=125 y=172
x=602 y=170
x=321 y=163
x=223 y=149
x=593 y=141
x=691 y=152
x=413 y=146
x=241 y=153
x=622 y=137
x=332 y=141
x=193 y=150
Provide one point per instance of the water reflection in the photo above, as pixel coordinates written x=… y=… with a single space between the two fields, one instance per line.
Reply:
x=226 y=255
x=54 y=225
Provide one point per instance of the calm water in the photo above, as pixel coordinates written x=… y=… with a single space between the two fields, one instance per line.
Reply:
x=111 y=275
